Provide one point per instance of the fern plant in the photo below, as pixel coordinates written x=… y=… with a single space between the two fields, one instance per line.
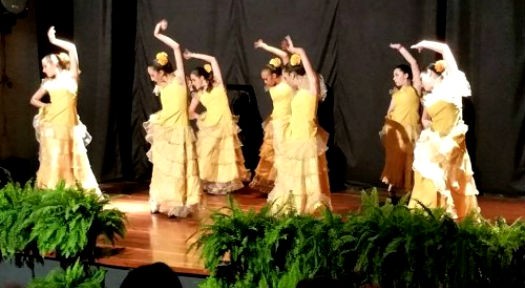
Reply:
x=77 y=275
x=381 y=245
x=16 y=207
x=229 y=245
x=68 y=222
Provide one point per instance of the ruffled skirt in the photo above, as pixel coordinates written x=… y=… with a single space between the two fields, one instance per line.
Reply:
x=302 y=184
x=63 y=156
x=220 y=158
x=443 y=175
x=265 y=172
x=175 y=186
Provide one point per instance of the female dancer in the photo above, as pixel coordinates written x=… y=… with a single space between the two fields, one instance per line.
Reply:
x=221 y=162
x=62 y=154
x=281 y=94
x=302 y=184
x=175 y=185
x=401 y=127
x=443 y=175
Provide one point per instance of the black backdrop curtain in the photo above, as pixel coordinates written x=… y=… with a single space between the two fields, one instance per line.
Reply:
x=347 y=42
x=489 y=39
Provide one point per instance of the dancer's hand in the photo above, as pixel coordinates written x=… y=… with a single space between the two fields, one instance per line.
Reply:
x=259 y=44
x=289 y=43
x=419 y=46
x=396 y=46
x=51 y=34
x=161 y=26
x=187 y=54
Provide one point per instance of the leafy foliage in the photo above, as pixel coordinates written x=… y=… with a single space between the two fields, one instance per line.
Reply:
x=381 y=245
x=76 y=275
x=65 y=222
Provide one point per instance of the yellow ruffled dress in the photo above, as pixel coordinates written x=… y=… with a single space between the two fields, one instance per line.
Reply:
x=302 y=184
x=443 y=175
x=175 y=186
x=221 y=162
x=63 y=138
x=400 y=133
x=266 y=172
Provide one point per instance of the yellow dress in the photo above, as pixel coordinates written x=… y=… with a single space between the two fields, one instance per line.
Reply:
x=400 y=133
x=302 y=183
x=443 y=175
x=62 y=138
x=266 y=171
x=221 y=162
x=175 y=186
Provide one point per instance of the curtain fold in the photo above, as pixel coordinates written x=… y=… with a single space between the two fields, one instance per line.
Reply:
x=347 y=42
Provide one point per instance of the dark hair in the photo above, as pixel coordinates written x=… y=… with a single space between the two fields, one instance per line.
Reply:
x=152 y=275
x=405 y=69
x=297 y=69
x=199 y=71
x=166 y=68
x=273 y=70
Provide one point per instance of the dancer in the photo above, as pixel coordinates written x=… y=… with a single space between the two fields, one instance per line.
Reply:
x=62 y=137
x=402 y=124
x=443 y=175
x=175 y=186
x=302 y=183
x=221 y=162
x=281 y=94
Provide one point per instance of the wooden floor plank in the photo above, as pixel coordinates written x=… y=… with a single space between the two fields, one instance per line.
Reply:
x=152 y=238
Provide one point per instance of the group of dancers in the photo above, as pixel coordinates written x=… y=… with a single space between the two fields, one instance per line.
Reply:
x=426 y=153
x=431 y=162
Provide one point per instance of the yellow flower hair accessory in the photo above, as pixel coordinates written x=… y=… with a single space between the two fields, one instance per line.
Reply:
x=162 y=58
x=207 y=67
x=295 y=60
x=440 y=66
x=275 y=62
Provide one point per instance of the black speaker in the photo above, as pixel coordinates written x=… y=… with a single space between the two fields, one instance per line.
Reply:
x=243 y=104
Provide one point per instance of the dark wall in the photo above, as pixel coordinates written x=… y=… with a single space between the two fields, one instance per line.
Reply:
x=347 y=42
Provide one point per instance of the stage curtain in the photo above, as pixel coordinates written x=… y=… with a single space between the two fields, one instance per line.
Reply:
x=347 y=42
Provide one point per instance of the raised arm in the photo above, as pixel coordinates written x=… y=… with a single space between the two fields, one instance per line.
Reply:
x=69 y=47
x=310 y=73
x=179 y=69
x=217 y=75
x=441 y=48
x=274 y=50
x=416 y=79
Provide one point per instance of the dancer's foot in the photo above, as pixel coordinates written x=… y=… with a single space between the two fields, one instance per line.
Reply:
x=153 y=207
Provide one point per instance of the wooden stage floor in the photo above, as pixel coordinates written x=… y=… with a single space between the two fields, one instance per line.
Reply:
x=152 y=238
